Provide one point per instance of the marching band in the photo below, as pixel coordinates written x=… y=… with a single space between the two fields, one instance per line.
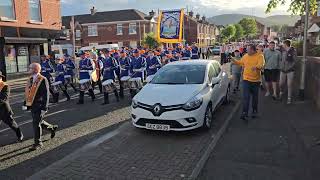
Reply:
x=109 y=69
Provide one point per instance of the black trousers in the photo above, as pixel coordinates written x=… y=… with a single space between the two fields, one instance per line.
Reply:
x=8 y=119
x=38 y=125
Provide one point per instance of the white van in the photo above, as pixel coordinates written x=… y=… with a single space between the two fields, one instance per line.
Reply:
x=60 y=50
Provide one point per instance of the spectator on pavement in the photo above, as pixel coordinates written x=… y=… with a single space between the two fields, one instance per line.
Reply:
x=287 y=68
x=252 y=64
x=272 y=70
x=204 y=52
x=236 y=72
x=223 y=54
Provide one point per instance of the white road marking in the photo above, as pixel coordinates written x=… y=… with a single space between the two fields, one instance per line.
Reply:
x=30 y=120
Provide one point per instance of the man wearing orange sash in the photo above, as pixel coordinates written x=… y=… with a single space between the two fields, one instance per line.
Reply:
x=6 y=111
x=37 y=100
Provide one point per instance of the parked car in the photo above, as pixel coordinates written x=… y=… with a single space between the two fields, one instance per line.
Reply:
x=182 y=95
x=215 y=50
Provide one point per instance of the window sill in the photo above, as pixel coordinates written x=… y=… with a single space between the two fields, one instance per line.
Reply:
x=35 y=22
x=5 y=19
x=119 y=34
x=132 y=33
x=92 y=35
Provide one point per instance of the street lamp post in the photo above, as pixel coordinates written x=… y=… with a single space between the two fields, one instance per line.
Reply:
x=304 y=59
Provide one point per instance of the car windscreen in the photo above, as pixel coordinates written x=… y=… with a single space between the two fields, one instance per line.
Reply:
x=180 y=74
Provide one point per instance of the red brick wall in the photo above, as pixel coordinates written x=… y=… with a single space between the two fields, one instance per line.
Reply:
x=108 y=33
x=191 y=30
x=50 y=13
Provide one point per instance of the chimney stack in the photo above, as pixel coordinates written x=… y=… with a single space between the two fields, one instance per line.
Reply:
x=198 y=16
x=151 y=13
x=191 y=13
x=203 y=18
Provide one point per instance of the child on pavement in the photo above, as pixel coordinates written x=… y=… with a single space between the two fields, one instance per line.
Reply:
x=236 y=71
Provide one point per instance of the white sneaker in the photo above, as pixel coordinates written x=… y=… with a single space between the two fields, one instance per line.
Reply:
x=267 y=94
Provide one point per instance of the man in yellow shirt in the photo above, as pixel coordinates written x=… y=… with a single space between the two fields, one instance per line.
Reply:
x=252 y=63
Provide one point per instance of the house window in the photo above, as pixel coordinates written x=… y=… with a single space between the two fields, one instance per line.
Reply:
x=67 y=33
x=78 y=34
x=35 y=10
x=133 y=28
x=93 y=30
x=119 y=29
x=120 y=44
x=6 y=9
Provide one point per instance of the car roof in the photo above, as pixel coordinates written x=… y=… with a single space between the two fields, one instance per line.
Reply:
x=193 y=62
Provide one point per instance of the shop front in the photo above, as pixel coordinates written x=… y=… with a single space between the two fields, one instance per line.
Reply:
x=16 y=54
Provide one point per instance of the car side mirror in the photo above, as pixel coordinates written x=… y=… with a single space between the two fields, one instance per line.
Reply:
x=215 y=81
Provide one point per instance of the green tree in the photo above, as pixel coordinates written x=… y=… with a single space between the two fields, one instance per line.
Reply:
x=295 y=7
x=249 y=26
x=228 y=32
x=239 y=32
x=150 y=41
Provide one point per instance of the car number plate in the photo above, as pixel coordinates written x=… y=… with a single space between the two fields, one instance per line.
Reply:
x=160 y=127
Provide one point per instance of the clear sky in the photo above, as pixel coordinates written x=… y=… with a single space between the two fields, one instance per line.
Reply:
x=204 y=7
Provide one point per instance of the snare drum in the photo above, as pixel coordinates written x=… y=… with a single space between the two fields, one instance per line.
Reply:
x=135 y=83
x=67 y=79
x=125 y=81
x=56 y=86
x=149 y=78
x=108 y=86
x=84 y=84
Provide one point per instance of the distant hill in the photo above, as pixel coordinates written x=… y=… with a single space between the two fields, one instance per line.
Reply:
x=225 y=19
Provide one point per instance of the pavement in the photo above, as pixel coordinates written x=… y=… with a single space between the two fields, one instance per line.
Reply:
x=279 y=145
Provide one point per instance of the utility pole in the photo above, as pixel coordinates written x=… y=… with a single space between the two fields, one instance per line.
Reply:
x=73 y=36
x=304 y=59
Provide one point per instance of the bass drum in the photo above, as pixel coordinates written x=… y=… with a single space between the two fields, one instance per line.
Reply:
x=84 y=84
x=135 y=83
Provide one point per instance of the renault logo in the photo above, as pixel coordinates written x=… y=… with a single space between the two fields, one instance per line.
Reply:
x=157 y=109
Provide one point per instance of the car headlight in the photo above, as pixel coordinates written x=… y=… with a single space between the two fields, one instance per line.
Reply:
x=193 y=103
x=134 y=104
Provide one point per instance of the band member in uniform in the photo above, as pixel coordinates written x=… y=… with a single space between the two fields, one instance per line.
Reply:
x=109 y=66
x=153 y=63
x=46 y=70
x=85 y=67
x=98 y=65
x=124 y=63
x=60 y=72
x=194 y=52
x=70 y=66
x=6 y=114
x=138 y=65
x=37 y=99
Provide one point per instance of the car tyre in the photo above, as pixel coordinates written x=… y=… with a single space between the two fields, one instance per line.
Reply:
x=226 y=99
x=208 y=118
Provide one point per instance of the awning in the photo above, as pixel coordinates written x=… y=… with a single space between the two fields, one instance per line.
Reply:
x=314 y=28
x=25 y=40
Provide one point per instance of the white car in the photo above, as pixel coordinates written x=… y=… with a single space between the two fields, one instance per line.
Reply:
x=182 y=96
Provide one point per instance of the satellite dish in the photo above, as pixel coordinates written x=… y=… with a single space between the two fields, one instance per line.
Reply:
x=93 y=11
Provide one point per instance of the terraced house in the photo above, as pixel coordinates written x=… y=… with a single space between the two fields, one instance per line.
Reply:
x=26 y=28
x=122 y=27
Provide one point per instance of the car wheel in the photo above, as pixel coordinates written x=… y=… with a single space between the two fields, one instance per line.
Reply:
x=227 y=97
x=208 y=117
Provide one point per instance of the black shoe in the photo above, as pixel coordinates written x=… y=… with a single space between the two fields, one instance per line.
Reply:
x=20 y=138
x=53 y=131
x=255 y=114
x=105 y=103
x=80 y=102
x=244 y=118
x=36 y=147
